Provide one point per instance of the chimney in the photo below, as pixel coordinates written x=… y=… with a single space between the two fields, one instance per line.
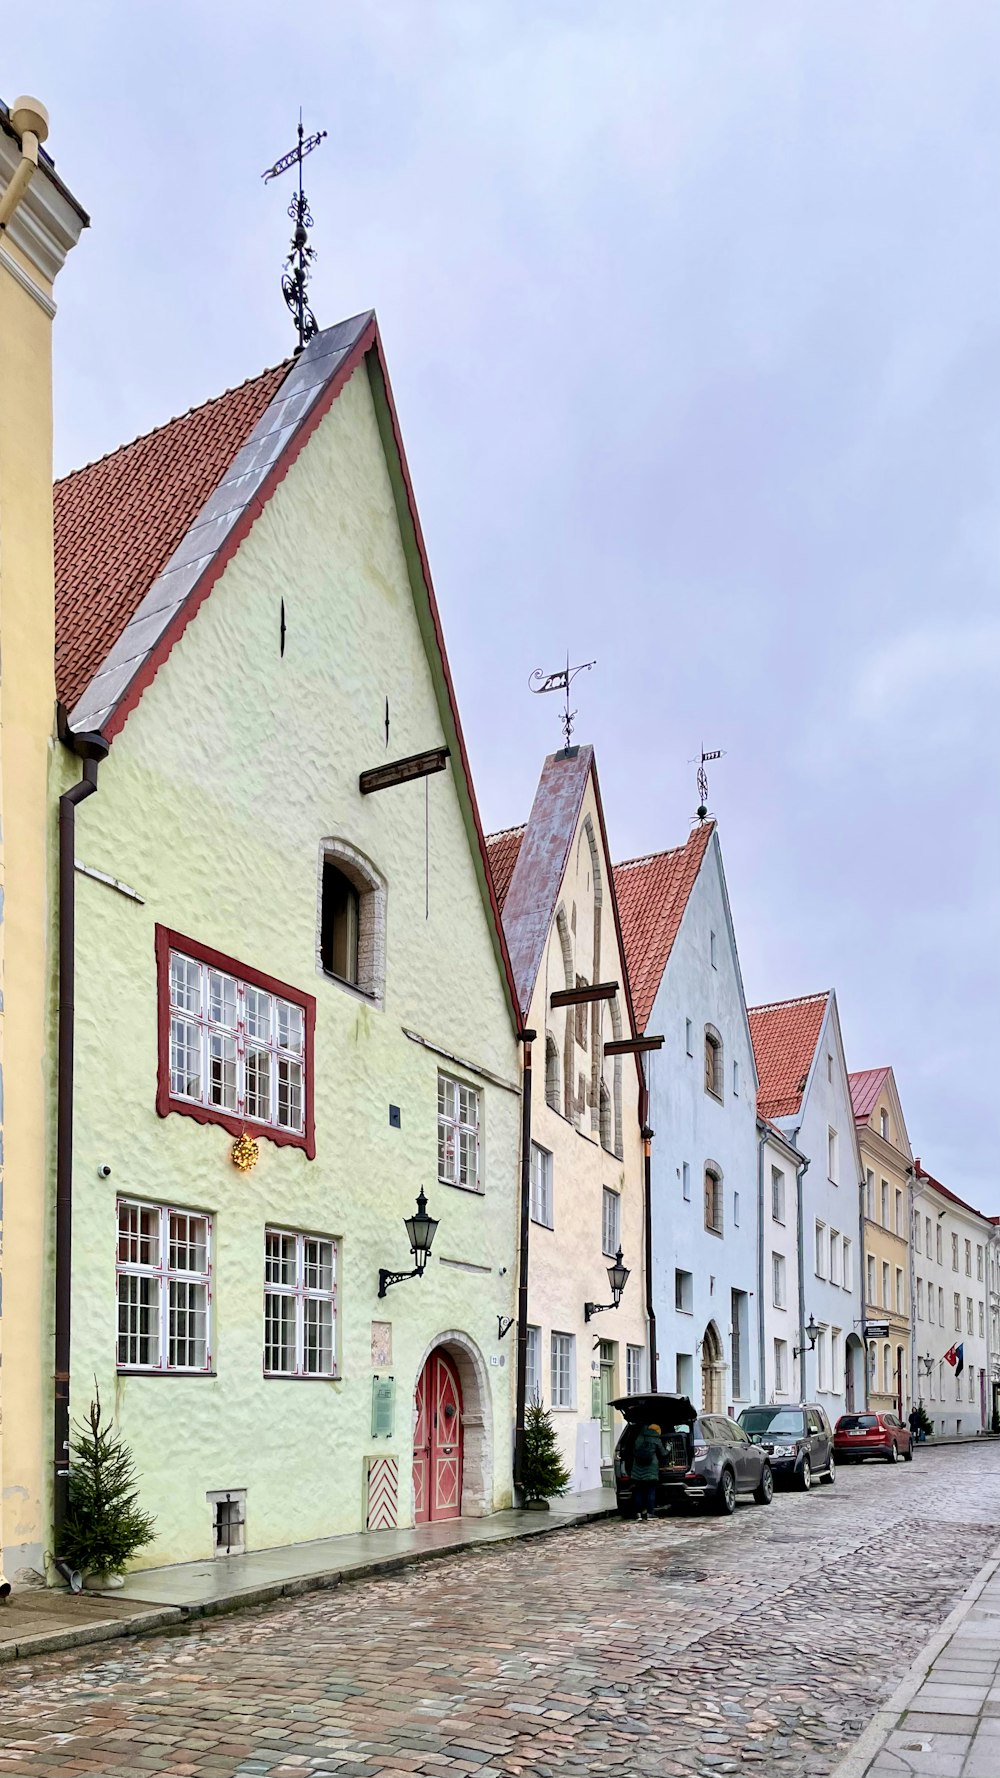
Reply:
x=40 y=221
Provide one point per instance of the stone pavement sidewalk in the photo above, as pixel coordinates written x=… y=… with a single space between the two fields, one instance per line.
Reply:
x=41 y=1620
x=944 y=1720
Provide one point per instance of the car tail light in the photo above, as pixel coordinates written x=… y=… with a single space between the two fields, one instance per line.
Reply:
x=701 y=1450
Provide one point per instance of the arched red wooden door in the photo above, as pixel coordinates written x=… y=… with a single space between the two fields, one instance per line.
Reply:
x=437 y=1441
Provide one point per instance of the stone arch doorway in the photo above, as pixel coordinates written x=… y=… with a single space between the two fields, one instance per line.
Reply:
x=854 y=1373
x=712 y=1371
x=452 y=1432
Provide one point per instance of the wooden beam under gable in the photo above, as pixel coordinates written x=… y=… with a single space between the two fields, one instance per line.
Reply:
x=401 y=771
x=583 y=995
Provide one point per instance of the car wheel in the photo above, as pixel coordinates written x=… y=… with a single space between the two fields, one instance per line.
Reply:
x=764 y=1491
x=805 y=1475
x=831 y=1470
x=725 y=1499
x=893 y=1454
x=908 y=1454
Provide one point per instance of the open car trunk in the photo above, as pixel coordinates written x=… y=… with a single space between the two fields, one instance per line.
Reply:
x=675 y=1415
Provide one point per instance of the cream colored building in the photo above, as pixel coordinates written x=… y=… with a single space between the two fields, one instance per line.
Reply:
x=887 y=1164
x=554 y=881
x=39 y=223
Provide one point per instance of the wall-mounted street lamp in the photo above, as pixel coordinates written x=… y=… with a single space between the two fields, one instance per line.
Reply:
x=421 y=1230
x=925 y=1365
x=617 y=1278
x=812 y=1335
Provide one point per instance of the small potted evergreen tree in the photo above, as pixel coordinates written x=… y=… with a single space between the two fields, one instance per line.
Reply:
x=543 y=1472
x=104 y=1525
x=925 y=1426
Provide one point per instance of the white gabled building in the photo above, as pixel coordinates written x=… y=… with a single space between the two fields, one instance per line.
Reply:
x=687 y=988
x=805 y=1091
x=952 y=1325
x=778 y=1162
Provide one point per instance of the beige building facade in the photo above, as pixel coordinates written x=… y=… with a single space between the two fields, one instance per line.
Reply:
x=887 y=1164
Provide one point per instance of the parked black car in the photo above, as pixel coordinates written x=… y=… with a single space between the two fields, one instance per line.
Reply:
x=798 y=1441
x=711 y=1458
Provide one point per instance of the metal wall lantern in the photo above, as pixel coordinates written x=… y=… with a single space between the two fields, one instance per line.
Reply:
x=618 y=1276
x=925 y=1365
x=420 y=1230
x=812 y=1335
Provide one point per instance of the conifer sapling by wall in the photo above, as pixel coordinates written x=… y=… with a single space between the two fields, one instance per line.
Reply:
x=543 y=1472
x=104 y=1525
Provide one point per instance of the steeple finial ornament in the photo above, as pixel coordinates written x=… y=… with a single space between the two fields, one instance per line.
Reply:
x=702 y=779
x=295 y=277
x=540 y=681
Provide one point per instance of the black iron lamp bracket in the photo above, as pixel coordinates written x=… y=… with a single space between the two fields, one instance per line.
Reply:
x=590 y=1309
x=504 y=1325
x=386 y=1278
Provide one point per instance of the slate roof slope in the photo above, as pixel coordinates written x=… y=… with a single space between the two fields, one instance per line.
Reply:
x=118 y=521
x=503 y=848
x=785 y=1034
x=653 y=893
x=866 y=1085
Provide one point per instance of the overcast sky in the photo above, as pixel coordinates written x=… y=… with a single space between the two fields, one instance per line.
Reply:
x=691 y=311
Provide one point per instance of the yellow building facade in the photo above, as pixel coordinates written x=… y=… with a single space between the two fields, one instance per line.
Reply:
x=40 y=222
x=887 y=1164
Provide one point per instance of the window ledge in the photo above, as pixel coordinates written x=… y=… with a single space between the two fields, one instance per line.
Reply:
x=471 y=1191
x=140 y=1370
x=712 y=1094
x=301 y=1377
x=709 y=1230
x=369 y=995
x=537 y=1223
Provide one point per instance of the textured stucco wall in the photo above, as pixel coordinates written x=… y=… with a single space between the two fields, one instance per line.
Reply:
x=692 y=1126
x=950 y=1411
x=887 y=1246
x=27 y=704
x=212 y=805
x=567 y=1265
x=780 y=1237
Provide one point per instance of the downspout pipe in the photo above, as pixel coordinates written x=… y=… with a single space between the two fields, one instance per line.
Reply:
x=800 y=1173
x=862 y=1188
x=30 y=120
x=647 y=1212
x=92 y=748
x=761 y=1330
x=526 y=1039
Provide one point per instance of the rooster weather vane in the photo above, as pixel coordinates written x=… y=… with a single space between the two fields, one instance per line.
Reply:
x=540 y=681
x=298 y=265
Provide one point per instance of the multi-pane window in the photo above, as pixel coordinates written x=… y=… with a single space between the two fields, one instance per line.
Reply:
x=562 y=1378
x=979 y=1264
x=968 y=1314
x=234 y=1047
x=778 y=1280
x=954 y=1253
x=958 y=1312
x=847 y=1274
x=871 y=1279
x=968 y=1259
x=982 y=1322
x=541 y=1185
x=777 y=1194
x=533 y=1365
x=920 y=1299
x=164 y=1288
x=886 y=1303
x=899 y=1213
x=458 y=1133
x=930 y=1303
x=635 y=1370
x=885 y=1203
x=899 y=1291
x=611 y=1222
x=887 y=1370
x=780 y=1366
x=300 y=1305
x=713 y=1201
x=937 y=1245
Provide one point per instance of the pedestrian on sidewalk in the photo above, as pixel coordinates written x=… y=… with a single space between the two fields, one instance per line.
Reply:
x=647 y=1454
x=914 y=1424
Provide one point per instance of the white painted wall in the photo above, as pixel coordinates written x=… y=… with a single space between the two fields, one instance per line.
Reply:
x=779 y=1236
x=691 y=1128
x=946 y=1398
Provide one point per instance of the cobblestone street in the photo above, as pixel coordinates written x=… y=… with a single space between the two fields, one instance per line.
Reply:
x=688 y=1646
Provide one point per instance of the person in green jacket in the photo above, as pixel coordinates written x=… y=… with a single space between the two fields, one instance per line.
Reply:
x=648 y=1453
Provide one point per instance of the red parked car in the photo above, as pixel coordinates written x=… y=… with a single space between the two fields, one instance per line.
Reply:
x=857 y=1436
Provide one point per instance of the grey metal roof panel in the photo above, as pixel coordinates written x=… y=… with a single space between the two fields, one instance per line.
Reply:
x=533 y=895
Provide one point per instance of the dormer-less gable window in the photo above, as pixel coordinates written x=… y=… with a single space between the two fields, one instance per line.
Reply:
x=713 y=1062
x=352 y=919
x=235 y=1046
x=339 y=935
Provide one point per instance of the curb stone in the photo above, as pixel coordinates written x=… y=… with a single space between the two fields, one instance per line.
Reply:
x=855 y=1763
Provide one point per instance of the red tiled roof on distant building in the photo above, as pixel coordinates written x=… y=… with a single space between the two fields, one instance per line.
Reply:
x=925 y=1178
x=785 y=1035
x=503 y=849
x=866 y=1085
x=117 y=521
x=653 y=893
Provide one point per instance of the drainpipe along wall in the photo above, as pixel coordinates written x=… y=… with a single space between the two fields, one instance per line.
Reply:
x=647 y=1211
x=92 y=749
x=761 y=1330
x=800 y=1173
x=527 y=1038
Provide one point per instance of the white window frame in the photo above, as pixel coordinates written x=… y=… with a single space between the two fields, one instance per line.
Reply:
x=541 y=1186
x=820 y=1261
x=458 y=1134
x=777 y=1195
x=301 y=1293
x=832 y=1155
x=562 y=1371
x=233 y=1028
x=161 y=1278
x=958 y=1311
x=635 y=1370
x=780 y=1367
x=899 y=1290
x=847 y=1268
x=611 y=1221
x=835 y=1256
x=871 y=1279
x=778 y=1281
x=533 y=1365
x=886 y=1302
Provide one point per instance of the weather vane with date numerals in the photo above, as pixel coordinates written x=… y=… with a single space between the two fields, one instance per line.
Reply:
x=541 y=681
x=702 y=778
x=298 y=265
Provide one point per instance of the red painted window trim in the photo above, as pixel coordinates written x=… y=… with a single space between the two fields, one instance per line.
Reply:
x=167 y=941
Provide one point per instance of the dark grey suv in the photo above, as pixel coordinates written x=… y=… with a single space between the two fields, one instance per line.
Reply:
x=798 y=1441
x=708 y=1457
x=725 y=1463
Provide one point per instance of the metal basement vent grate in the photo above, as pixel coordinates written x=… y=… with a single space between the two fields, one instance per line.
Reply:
x=229 y=1515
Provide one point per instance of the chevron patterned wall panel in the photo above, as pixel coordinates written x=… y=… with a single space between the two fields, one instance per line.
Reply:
x=383 y=1493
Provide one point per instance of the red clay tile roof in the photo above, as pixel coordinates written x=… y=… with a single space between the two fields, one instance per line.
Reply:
x=785 y=1035
x=117 y=521
x=652 y=895
x=866 y=1085
x=503 y=849
x=925 y=1178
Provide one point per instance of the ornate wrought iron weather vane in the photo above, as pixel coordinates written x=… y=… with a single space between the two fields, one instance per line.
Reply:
x=298 y=265
x=702 y=779
x=540 y=681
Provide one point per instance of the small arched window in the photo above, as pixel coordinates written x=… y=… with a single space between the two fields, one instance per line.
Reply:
x=352 y=905
x=338 y=945
x=713 y=1062
x=713 y=1198
x=551 y=1071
